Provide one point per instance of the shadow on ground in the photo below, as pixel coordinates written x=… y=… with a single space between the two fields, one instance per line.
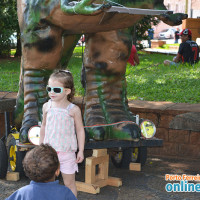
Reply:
x=148 y=184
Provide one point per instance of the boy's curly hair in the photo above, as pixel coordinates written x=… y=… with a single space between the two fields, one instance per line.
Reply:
x=66 y=78
x=41 y=163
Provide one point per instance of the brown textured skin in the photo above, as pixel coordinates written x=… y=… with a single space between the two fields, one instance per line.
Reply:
x=36 y=59
x=92 y=24
x=107 y=47
x=48 y=43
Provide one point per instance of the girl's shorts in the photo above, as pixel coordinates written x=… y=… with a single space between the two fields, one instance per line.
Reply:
x=68 y=163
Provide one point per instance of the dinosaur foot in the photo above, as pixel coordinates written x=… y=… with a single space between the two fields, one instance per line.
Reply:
x=96 y=133
x=23 y=138
x=120 y=131
x=126 y=131
x=27 y=123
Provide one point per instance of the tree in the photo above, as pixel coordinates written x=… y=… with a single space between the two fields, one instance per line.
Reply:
x=142 y=27
x=8 y=25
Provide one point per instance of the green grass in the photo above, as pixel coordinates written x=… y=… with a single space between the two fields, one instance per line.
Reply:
x=156 y=82
x=151 y=80
x=166 y=46
x=9 y=74
x=75 y=66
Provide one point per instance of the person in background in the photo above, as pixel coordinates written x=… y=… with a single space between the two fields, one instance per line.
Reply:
x=62 y=126
x=82 y=39
x=176 y=36
x=41 y=165
x=134 y=58
x=150 y=36
x=188 y=50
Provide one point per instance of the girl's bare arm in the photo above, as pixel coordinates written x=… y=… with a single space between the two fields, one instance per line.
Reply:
x=42 y=130
x=80 y=133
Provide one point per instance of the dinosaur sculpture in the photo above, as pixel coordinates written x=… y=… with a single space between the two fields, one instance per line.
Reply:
x=49 y=33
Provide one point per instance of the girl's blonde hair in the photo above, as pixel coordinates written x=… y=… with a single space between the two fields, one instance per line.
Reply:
x=66 y=78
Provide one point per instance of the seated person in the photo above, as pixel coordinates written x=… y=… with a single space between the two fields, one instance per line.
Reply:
x=41 y=165
x=133 y=58
x=188 y=50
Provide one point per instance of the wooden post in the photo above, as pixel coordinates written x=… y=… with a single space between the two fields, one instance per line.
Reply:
x=12 y=176
x=135 y=166
x=93 y=181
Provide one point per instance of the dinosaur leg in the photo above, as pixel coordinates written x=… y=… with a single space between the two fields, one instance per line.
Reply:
x=52 y=50
x=35 y=96
x=107 y=115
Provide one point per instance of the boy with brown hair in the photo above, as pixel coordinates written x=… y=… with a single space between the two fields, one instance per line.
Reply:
x=41 y=165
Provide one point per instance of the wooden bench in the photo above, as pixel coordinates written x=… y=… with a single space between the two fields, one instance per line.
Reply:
x=157 y=43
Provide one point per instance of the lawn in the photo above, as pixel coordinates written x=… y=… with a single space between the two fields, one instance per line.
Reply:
x=9 y=74
x=167 y=46
x=151 y=80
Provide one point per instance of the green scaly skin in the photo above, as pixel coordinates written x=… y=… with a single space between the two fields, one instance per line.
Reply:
x=83 y=7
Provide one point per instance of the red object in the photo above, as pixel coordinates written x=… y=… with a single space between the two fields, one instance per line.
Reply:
x=131 y=57
x=186 y=32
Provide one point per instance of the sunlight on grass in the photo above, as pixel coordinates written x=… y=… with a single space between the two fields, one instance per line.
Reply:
x=9 y=77
x=151 y=80
x=160 y=81
x=167 y=46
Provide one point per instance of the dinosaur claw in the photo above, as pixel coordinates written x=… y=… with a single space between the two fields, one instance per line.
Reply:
x=98 y=133
x=24 y=135
x=127 y=131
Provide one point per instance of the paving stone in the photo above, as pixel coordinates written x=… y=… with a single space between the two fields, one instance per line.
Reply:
x=147 y=184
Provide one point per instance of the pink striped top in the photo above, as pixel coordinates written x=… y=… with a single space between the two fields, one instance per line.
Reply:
x=60 y=130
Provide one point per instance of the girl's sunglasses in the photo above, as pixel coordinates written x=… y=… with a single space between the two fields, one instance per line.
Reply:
x=55 y=89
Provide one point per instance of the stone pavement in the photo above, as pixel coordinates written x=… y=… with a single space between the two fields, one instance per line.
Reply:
x=172 y=51
x=162 y=51
x=148 y=184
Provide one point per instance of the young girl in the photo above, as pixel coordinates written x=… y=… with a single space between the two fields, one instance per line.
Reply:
x=61 y=119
